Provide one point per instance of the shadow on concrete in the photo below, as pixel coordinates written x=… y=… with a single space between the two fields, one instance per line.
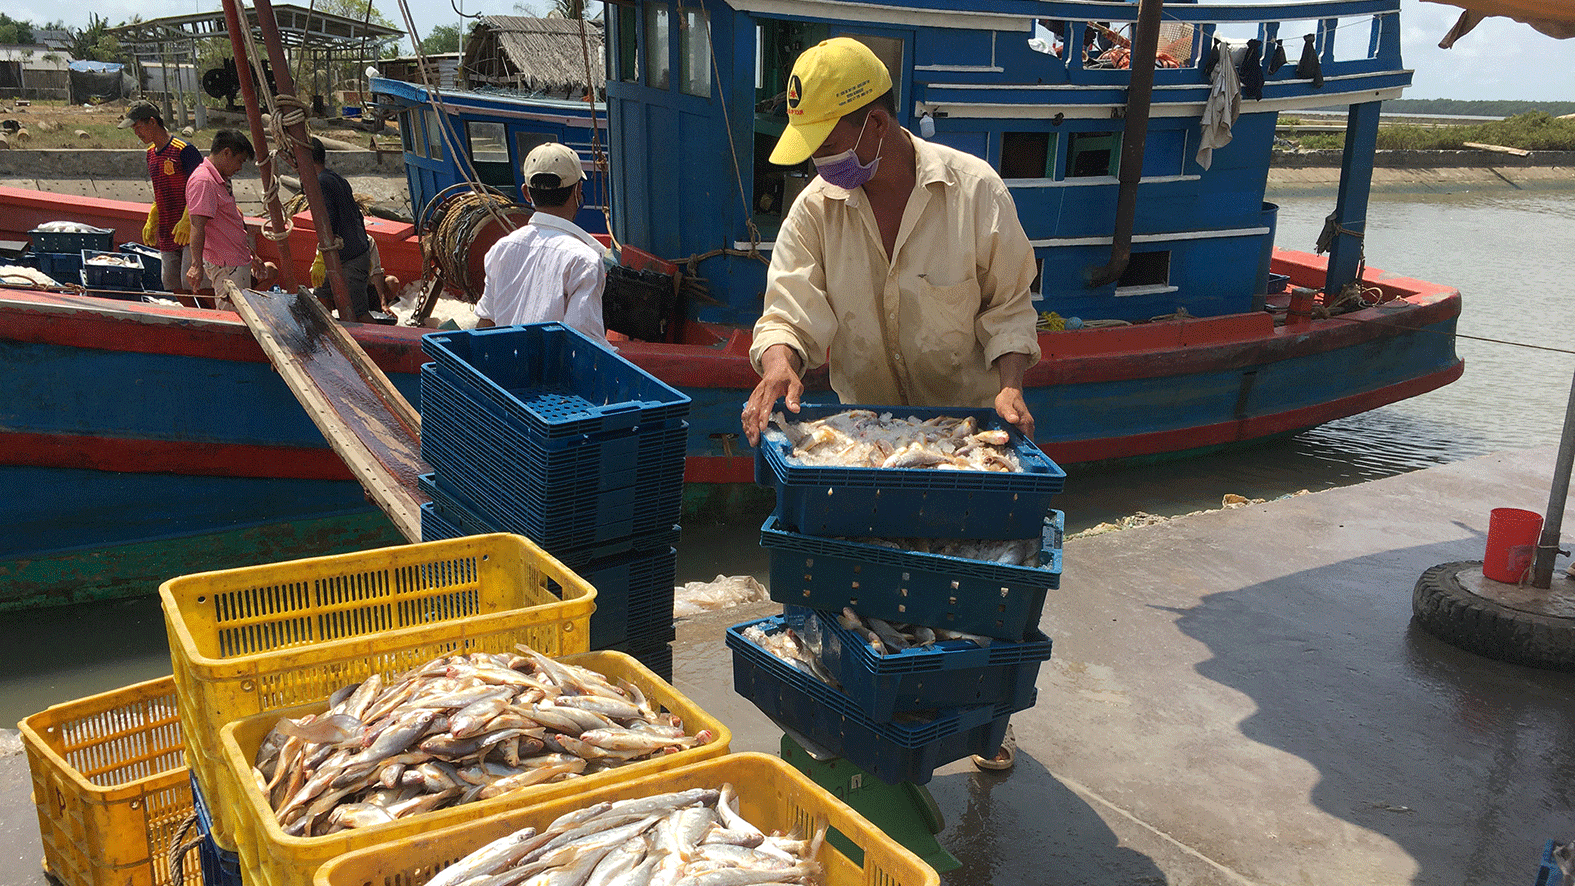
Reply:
x=1466 y=764
x=1028 y=821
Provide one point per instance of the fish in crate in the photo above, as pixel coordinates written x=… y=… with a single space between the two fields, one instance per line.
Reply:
x=862 y=438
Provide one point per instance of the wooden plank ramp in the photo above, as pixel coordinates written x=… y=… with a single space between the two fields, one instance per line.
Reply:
x=365 y=419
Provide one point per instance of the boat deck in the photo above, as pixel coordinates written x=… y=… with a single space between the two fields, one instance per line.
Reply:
x=1235 y=697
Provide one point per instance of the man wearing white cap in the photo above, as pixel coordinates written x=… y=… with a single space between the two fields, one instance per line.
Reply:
x=549 y=269
x=903 y=260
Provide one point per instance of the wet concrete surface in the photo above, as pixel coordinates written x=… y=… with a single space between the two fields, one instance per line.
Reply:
x=1235 y=697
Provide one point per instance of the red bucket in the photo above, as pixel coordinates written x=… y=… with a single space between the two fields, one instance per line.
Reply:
x=1511 y=544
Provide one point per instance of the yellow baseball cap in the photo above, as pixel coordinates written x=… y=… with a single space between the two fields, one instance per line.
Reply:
x=829 y=80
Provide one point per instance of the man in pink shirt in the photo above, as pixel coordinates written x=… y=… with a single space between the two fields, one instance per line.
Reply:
x=218 y=232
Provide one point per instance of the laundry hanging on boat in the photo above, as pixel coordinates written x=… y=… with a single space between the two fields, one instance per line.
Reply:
x=1251 y=71
x=1309 y=68
x=1223 y=107
x=1277 y=60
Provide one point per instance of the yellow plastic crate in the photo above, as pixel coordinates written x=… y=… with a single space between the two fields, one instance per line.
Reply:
x=262 y=638
x=270 y=857
x=111 y=786
x=771 y=794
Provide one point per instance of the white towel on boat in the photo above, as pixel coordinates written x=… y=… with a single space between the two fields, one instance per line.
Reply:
x=1223 y=107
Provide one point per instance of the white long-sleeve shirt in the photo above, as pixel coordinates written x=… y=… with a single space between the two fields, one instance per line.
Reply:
x=549 y=269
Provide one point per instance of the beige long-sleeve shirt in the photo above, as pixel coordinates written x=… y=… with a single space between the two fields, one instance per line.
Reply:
x=925 y=328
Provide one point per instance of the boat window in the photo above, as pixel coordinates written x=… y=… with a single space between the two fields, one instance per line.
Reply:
x=777 y=45
x=1146 y=269
x=658 y=46
x=1028 y=155
x=487 y=144
x=628 y=33
x=1092 y=153
x=525 y=142
x=434 y=136
x=694 y=52
x=409 y=134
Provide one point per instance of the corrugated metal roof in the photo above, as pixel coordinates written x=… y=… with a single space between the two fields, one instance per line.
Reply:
x=32 y=57
x=537 y=53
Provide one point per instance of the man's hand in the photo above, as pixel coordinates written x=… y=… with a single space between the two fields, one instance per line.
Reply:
x=194 y=277
x=182 y=230
x=1009 y=404
x=150 y=228
x=779 y=379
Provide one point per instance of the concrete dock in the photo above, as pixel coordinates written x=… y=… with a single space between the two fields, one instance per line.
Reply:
x=1235 y=697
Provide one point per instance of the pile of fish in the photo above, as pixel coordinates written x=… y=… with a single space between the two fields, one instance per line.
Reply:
x=859 y=438
x=1009 y=552
x=694 y=837
x=457 y=729
x=113 y=260
x=886 y=638
x=70 y=227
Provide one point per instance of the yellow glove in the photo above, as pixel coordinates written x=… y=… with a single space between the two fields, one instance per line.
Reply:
x=319 y=271
x=182 y=231
x=150 y=229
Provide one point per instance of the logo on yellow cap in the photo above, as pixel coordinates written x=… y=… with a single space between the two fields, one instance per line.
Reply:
x=793 y=91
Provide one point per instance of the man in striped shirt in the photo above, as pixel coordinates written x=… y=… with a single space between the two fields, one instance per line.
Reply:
x=171 y=161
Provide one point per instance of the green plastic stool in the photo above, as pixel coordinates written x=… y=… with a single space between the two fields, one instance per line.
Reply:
x=905 y=812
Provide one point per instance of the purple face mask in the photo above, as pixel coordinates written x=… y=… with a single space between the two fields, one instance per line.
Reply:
x=844 y=170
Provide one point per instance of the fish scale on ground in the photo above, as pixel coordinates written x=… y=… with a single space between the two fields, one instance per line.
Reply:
x=457 y=729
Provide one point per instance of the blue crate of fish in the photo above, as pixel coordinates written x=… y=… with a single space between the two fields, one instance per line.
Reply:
x=935 y=590
x=99 y=239
x=609 y=460
x=910 y=749
x=909 y=502
x=504 y=494
x=112 y=270
x=947 y=674
x=556 y=380
x=220 y=867
x=152 y=265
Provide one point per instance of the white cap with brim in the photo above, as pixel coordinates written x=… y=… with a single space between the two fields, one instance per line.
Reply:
x=830 y=80
x=553 y=159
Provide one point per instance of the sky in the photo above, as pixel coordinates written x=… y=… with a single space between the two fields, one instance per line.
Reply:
x=1500 y=59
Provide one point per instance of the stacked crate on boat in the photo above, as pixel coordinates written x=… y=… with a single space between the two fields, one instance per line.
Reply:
x=59 y=253
x=901 y=714
x=542 y=431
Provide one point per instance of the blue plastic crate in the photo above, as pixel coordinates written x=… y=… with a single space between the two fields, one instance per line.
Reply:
x=556 y=380
x=1277 y=283
x=152 y=265
x=893 y=752
x=634 y=597
x=609 y=460
x=220 y=867
x=122 y=277
x=658 y=657
x=100 y=239
x=959 y=594
x=910 y=502
x=1549 y=874
x=438 y=526
x=64 y=267
x=505 y=495
x=951 y=673
x=464 y=515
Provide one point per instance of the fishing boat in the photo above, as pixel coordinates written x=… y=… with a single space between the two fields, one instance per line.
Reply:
x=148 y=440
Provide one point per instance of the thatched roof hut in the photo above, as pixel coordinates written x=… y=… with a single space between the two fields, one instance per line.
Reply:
x=546 y=55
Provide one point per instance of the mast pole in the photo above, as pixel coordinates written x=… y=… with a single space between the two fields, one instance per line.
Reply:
x=295 y=128
x=232 y=17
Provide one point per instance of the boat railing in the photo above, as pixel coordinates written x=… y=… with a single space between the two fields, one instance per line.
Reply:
x=1030 y=61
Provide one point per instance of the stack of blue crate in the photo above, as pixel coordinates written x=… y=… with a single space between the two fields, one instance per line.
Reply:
x=59 y=253
x=902 y=714
x=541 y=431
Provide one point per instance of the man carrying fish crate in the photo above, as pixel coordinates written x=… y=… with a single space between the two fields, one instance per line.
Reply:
x=904 y=261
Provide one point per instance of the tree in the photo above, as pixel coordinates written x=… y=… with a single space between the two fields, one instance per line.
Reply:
x=442 y=38
x=94 y=42
x=354 y=9
x=15 y=32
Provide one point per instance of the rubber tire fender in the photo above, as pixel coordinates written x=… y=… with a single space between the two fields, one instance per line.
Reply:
x=1452 y=613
